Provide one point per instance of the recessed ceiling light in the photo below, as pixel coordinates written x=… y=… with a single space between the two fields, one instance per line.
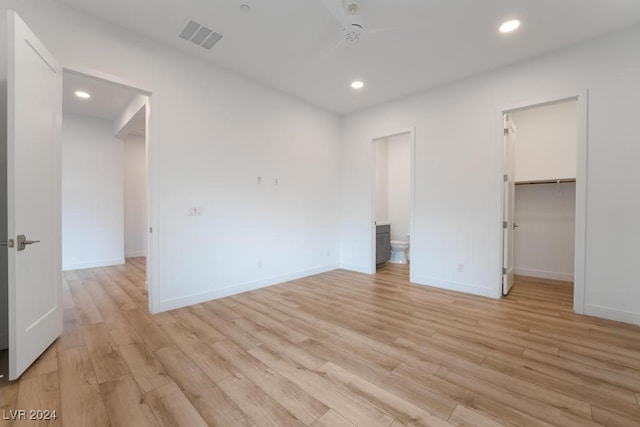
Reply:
x=82 y=94
x=509 y=26
x=245 y=8
x=357 y=84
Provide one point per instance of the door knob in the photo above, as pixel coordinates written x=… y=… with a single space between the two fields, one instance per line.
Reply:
x=22 y=242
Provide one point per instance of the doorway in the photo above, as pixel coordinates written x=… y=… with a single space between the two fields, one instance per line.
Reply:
x=104 y=179
x=31 y=147
x=544 y=168
x=104 y=215
x=392 y=209
x=94 y=159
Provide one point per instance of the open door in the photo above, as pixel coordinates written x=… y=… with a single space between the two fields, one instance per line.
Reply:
x=34 y=120
x=509 y=203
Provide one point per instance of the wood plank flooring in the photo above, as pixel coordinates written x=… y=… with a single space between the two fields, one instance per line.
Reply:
x=336 y=349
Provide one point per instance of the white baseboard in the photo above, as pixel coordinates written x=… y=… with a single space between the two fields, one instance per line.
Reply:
x=91 y=264
x=192 y=299
x=135 y=254
x=4 y=342
x=565 y=277
x=612 y=314
x=468 y=288
x=356 y=268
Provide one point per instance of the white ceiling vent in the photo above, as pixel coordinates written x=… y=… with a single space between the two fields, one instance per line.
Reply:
x=199 y=34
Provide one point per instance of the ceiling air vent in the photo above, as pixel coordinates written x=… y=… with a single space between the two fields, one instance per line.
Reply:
x=200 y=35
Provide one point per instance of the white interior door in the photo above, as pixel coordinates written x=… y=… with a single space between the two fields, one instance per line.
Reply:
x=34 y=120
x=509 y=203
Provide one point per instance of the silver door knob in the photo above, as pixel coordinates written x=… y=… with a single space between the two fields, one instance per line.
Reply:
x=22 y=242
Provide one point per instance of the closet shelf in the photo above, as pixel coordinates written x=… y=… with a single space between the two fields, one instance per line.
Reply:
x=546 y=181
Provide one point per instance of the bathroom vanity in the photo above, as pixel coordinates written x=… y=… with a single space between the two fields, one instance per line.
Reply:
x=383 y=243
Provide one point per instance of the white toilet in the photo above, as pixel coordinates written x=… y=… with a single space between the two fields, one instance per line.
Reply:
x=399 y=250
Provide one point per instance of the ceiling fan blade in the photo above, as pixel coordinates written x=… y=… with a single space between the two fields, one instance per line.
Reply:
x=396 y=34
x=336 y=8
x=324 y=53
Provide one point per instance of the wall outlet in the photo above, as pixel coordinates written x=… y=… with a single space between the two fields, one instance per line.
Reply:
x=460 y=268
x=329 y=253
x=259 y=180
x=259 y=264
x=195 y=211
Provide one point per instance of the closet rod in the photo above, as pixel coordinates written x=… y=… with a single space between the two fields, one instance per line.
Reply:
x=546 y=181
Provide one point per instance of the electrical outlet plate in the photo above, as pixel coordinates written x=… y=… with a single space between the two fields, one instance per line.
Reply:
x=195 y=211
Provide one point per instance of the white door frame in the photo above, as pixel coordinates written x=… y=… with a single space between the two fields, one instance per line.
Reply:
x=508 y=203
x=372 y=153
x=580 y=245
x=151 y=143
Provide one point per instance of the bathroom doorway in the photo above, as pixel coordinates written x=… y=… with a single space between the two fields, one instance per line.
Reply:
x=392 y=210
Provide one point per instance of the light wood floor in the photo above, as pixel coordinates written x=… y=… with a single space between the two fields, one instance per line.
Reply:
x=336 y=349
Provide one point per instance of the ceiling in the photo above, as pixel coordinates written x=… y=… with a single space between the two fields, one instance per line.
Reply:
x=287 y=44
x=107 y=100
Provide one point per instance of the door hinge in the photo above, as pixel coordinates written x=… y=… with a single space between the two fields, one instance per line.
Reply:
x=506 y=131
x=505 y=224
x=506 y=178
x=504 y=270
x=150 y=229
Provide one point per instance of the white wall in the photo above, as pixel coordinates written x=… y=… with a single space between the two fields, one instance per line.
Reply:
x=132 y=119
x=92 y=193
x=544 y=239
x=399 y=185
x=546 y=142
x=216 y=133
x=135 y=193
x=457 y=216
x=382 y=180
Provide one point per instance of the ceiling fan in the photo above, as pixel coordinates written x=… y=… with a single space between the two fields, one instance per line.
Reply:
x=347 y=13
